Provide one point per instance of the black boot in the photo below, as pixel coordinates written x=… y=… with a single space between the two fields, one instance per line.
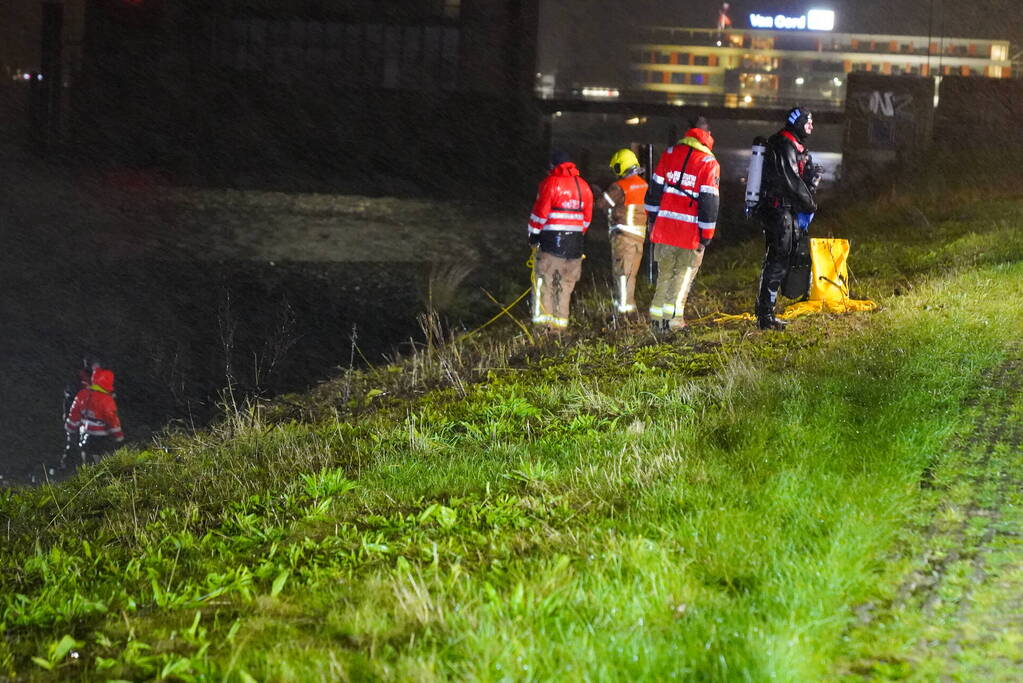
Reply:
x=659 y=328
x=766 y=299
x=770 y=322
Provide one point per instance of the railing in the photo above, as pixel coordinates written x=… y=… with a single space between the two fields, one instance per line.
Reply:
x=716 y=100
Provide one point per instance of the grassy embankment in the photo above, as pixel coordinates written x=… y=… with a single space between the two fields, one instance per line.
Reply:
x=716 y=507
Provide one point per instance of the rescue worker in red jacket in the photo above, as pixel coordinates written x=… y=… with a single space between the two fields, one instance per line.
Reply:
x=787 y=189
x=92 y=424
x=560 y=218
x=82 y=380
x=683 y=201
x=626 y=220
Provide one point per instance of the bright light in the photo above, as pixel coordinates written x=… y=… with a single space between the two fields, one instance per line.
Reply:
x=600 y=92
x=800 y=80
x=634 y=121
x=820 y=20
x=27 y=77
x=837 y=81
x=758 y=78
x=557 y=113
x=747 y=99
x=719 y=43
x=814 y=20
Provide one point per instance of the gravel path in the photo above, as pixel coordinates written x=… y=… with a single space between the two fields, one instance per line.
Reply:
x=958 y=613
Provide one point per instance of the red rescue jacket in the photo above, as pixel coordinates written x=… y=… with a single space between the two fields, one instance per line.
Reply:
x=94 y=410
x=563 y=202
x=683 y=192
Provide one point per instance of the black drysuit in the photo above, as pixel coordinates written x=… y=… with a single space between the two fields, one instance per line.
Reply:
x=785 y=191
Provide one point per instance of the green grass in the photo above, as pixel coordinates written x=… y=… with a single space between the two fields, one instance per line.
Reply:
x=719 y=507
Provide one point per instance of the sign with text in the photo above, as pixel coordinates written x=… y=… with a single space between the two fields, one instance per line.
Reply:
x=814 y=20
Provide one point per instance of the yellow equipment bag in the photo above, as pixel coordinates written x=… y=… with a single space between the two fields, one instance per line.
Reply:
x=829 y=281
x=829 y=284
x=829 y=273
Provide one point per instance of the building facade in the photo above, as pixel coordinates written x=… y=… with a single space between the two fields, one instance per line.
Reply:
x=357 y=89
x=762 y=67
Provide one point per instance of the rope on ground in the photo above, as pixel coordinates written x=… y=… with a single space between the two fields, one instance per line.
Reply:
x=845 y=305
x=719 y=317
x=506 y=310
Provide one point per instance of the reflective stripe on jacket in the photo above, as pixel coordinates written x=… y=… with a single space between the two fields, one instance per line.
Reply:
x=684 y=192
x=624 y=202
x=564 y=201
x=94 y=411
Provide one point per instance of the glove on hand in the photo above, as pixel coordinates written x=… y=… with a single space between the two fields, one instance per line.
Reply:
x=816 y=176
x=803 y=220
x=534 y=239
x=705 y=242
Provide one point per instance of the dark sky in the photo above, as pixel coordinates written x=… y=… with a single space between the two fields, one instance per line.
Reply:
x=588 y=32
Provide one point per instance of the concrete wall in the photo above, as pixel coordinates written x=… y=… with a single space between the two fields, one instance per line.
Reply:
x=888 y=118
x=162 y=93
x=991 y=110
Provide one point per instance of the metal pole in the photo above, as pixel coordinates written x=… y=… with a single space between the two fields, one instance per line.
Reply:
x=47 y=83
x=648 y=246
x=930 y=37
x=941 y=38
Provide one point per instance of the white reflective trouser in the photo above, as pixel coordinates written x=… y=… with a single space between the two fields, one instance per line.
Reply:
x=554 y=279
x=622 y=297
x=626 y=260
x=676 y=272
x=539 y=316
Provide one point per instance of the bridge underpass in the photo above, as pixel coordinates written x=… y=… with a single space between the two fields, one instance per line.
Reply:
x=681 y=112
x=590 y=130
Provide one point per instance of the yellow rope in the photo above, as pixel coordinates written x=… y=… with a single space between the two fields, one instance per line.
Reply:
x=531 y=264
x=792 y=311
x=504 y=311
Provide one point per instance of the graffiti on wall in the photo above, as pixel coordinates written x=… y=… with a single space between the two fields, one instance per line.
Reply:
x=886 y=104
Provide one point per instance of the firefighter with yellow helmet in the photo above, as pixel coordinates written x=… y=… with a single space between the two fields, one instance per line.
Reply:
x=626 y=219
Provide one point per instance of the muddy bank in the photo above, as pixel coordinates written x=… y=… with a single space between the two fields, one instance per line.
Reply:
x=178 y=332
x=183 y=292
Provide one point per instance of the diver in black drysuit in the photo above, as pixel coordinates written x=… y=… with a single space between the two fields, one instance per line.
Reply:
x=789 y=182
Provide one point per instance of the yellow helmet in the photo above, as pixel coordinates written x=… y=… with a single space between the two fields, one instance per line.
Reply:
x=622 y=161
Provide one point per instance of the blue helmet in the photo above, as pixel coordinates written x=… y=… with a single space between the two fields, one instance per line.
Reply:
x=796 y=122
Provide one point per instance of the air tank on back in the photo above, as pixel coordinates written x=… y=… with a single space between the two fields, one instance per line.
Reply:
x=755 y=174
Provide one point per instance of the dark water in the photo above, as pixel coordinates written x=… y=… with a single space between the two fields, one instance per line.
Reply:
x=176 y=333
x=85 y=281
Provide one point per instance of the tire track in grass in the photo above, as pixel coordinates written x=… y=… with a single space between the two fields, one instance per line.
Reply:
x=959 y=614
